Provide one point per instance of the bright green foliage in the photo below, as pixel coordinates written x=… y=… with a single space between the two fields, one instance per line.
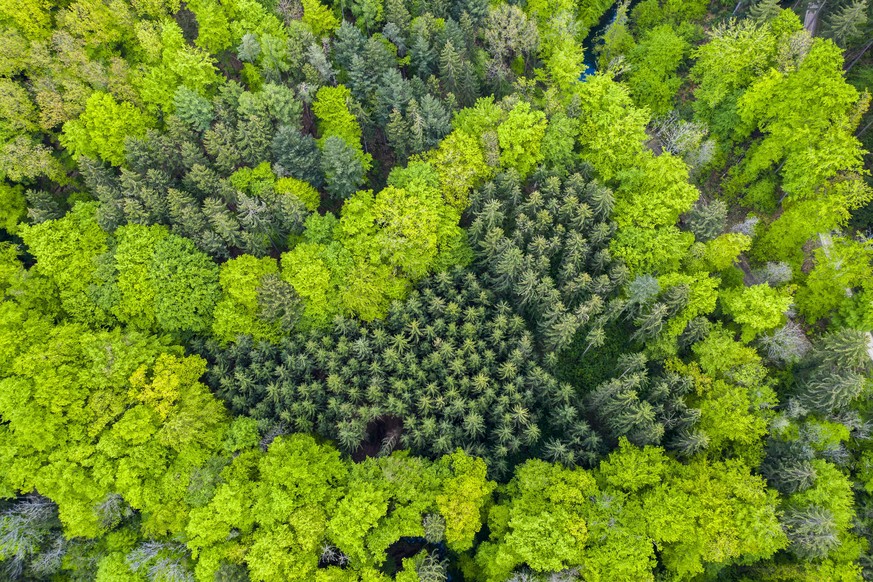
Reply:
x=463 y=498
x=845 y=266
x=66 y=251
x=237 y=311
x=300 y=190
x=702 y=298
x=520 y=136
x=711 y=513
x=319 y=17
x=632 y=468
x=733 y=412
x=298 y=505
x=213 y=28
x=134 y=292
x=158 y=281
x=652 y=250
x=393 y=227
x=559 y=49
x=722 y=357
x=406 y=225
x=804 y=114
x=484 y=116
x=162 y=281
x=19 y=114
x=362 y=527
x=735 y=57
x=381 y=243
x=652 y=79
x=538 y=522
x=770 y=77
x=94 y=413
x=701 y=517
x=331 y=106
x=317 y=272
x=460 y=163
x=102 y=129
x=733 y=394
x=654 y=192
x=101 y=25
x=180 y=64
x=731 y=421
x=803 y=220
x=253 y=180
x=186 y=279
x=278 y=503
x=611 y=130
x=650 y=13
x=32 y=18
x=723 y=251
x=756 y=309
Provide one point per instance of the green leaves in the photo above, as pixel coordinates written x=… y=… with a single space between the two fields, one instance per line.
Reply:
x=519 y=137
x=106 y=412
x=540 y=523
x=757 y=309
x=463 y=499
x=101 y=130
x=298 y=505
x=238 y=310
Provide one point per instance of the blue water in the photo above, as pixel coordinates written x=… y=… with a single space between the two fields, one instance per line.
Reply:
x=592 y=39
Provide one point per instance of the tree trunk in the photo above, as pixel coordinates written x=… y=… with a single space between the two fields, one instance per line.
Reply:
x=857 y=57
x=810 y=21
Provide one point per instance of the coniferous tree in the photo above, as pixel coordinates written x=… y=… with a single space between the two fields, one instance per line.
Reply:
x=849 y=23
x=535 y=251
x=764 y=10
x=452 y=365
x=342 y=168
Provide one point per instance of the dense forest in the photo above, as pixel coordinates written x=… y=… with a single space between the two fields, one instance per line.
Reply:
x=430 y=291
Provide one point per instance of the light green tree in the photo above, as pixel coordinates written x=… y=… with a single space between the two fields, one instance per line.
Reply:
x=102 y=128
x=756 y=309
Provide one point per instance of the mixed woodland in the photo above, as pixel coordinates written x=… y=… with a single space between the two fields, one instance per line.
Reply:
x=436 y=290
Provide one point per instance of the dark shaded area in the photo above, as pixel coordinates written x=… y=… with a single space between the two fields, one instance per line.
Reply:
x=585 y=372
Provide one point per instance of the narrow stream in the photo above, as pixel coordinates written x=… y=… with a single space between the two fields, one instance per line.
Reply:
x=593 y=38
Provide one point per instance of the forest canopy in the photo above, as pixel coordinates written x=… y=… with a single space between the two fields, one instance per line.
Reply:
x=481 y=290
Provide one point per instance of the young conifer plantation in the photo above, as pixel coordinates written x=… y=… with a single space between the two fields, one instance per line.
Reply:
x=436 y=290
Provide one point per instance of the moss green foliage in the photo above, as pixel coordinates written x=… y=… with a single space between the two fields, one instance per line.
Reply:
x=453 y=384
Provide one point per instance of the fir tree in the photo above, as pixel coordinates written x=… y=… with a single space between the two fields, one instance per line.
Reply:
x=342 y=167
